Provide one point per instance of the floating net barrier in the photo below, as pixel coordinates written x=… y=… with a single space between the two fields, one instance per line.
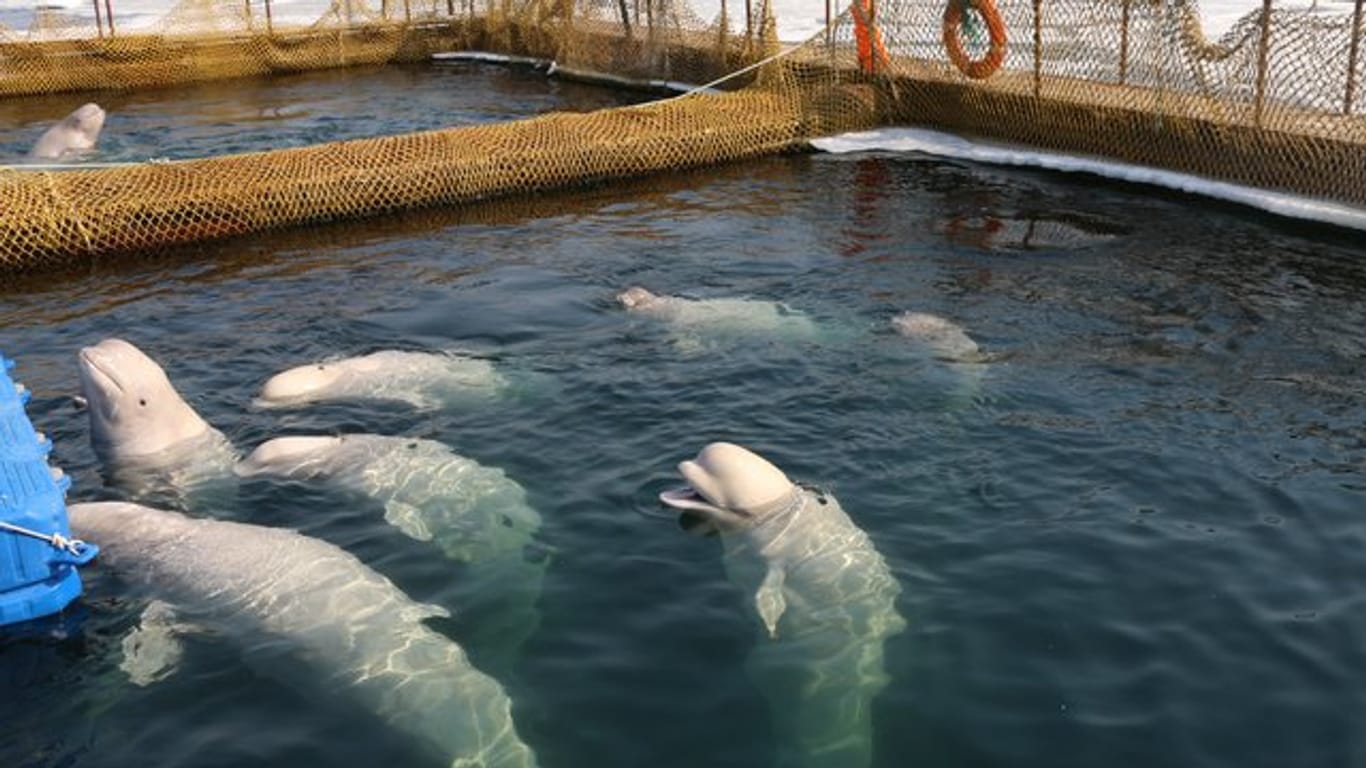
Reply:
x=1272 y=104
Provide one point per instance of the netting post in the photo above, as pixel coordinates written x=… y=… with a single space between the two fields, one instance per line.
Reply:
x=99 y=19
x=384 y=9
x=109 y=16
x=246 y=9
x=1038 y=45
x=749 y=23
x=407 y=12
x=829 y=39
x=1124 y=42
x=1352 y=60
x=1263 y=50
x=270 y=24
x=450 y=7
x=625 y=17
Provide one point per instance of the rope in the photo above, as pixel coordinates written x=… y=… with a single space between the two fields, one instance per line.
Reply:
x=56 y=540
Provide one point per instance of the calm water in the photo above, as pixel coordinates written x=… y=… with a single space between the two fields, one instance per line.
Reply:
x=1135 y=541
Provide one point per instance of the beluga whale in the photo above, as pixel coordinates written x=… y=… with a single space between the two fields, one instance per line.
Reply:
x=949 y=346
x=424 y=380
x=74 y=134
x=309 y=614
x=824 y=598
x=152 y=443
x=475 y=514
x=697 y=321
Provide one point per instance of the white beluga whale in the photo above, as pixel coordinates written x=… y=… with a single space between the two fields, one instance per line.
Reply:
x=947 y=343
x=425 y=380
x=74 y=134
x=308 y=614
x=151 y=442
x=694 y=321
x=475 y=514
x=942 y=338
x=824 y=596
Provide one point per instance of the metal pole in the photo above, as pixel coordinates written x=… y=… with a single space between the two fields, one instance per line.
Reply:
x=1124 y=42
x=1263 y=48
x=99 y=18
x=109 y=16
x=1038 y=44
x=1352 y=60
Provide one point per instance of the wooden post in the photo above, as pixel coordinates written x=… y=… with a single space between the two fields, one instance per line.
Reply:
x=625 y=16
x=1263 y=50
x=1038 y=45
x=1352 y=54
x=450 y=7
x=246 y=9
x=749 y=21
x=407 y=12
x=109 y=16
x=1124 y=42
x=829 y=33
x=270 y=25
x=99 y=19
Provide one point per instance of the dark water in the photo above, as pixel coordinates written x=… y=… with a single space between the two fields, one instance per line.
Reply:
x=296 y=110
x=1135 y=541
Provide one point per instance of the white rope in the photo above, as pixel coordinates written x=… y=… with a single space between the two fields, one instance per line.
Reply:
x=738 y=72
x=56 y=540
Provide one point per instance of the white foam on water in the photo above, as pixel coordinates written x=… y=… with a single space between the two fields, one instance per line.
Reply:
x=956 y=147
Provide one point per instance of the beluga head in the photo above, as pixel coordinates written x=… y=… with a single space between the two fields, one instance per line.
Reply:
x=76 y=133
x=134 y=410
x=636 y=297
x=732 y=487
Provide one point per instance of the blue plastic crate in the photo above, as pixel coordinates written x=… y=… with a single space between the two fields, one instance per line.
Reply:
x=38 y=561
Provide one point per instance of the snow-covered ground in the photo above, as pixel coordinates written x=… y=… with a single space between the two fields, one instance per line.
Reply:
x=797 y=19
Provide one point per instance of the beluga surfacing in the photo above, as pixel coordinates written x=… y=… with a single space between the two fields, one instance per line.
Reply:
x=151 y=442
x=697 y=321
x=72 y=136
x=422 y=379
x=311 y=615
x=823 y=594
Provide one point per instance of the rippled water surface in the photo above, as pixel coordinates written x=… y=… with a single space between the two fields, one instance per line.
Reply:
x=1134 y=538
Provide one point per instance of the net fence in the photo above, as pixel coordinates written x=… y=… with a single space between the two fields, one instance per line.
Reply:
x=1273 y=103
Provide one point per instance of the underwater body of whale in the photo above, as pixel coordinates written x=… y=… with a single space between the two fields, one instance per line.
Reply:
x=151 y=442
x=826 y=599
x=317 y=618
x=75 y=133
x=475 y=514
x=720 y=316
x=422 y=379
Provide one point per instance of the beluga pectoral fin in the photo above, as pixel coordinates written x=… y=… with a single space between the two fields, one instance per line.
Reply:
x=769 y=599
x=152 y=650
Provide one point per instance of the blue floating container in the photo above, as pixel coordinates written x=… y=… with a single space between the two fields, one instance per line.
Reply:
x=38 y=558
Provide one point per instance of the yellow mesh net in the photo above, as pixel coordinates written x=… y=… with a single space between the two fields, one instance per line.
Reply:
x=1273 y=103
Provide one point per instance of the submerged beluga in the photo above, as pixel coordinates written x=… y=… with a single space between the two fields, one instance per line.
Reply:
x=421 y=379
x=696 y=321
x=475 y=514
x=151 y=442
x=824 y=596
x=311 y=615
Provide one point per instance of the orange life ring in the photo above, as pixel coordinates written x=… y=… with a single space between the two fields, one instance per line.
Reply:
x=872 y=56
x=986 y=66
